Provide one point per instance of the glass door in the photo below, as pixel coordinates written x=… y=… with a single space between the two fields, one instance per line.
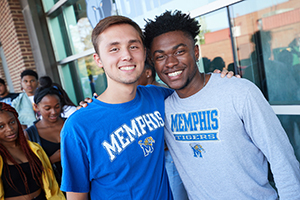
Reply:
x=260 y=40
x=268 y=51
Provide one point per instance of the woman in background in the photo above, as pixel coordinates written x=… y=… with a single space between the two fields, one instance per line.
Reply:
x=46 y=130
x=25 y=170
x=68 y=107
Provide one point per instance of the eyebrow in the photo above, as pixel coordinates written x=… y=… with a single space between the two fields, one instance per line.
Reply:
x=50 y=105
x=129 y=42
x=173 y=48
x=12 y=118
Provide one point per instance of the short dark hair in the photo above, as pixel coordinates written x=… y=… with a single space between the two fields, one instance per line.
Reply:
x=110 y=21
x=45 y=81
x=2 y=81
x=167 y=22
x=29 y=72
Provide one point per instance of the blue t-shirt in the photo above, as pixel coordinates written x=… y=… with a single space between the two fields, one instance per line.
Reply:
x=116 y=151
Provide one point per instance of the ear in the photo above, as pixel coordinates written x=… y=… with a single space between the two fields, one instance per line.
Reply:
x=148 y=73
x=98 y=60
x=36 y=107
x=196 y=50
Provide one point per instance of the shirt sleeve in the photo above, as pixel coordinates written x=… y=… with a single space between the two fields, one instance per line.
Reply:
x=75 y=176
x=264 y=128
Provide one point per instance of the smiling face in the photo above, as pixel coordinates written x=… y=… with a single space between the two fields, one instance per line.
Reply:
x=8 y=127
x=174 y=55
x=122 y=54
x=50 y=108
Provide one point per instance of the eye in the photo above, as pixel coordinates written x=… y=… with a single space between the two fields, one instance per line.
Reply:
x=160 y=57
x=113 y=49
x=13 y=122
x=133 y=47
x=1 y=126
x=179 y=52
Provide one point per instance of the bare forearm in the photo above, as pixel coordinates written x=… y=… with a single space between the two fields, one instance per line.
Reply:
x=77 y=196
x=55 y=157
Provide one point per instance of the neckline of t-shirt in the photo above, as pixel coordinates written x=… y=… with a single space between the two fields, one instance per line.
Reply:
x=117 y=105
x=207 y=85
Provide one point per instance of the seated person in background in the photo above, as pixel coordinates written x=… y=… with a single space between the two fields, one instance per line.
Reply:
x=46 y=131
x=5 y=95
x=26 y=172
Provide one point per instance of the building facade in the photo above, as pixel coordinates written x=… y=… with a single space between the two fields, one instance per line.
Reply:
x=258 y=39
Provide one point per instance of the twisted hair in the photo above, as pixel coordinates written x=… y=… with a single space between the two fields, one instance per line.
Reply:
x=46 y=88
x=46 y=81
x=167 y=22
x=35 y=164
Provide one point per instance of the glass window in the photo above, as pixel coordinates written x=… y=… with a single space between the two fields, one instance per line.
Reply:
x=66 y=80
x=268 y=46
x=92 y=77
x=70 y=30
x=48 y=4
x=59 y=37
x=291 y=124
x=265 y=36
x=215 y=41
x=78 y=27
x=81 y=78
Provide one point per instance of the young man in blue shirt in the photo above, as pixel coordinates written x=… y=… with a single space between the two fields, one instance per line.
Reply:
x=113 y=149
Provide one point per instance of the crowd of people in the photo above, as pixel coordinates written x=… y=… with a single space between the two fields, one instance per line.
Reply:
x=32 y=169
x=119 y=146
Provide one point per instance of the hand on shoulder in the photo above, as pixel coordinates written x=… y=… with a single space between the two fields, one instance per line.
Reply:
x=227 y=73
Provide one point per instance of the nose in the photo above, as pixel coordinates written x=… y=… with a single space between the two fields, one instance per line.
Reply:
x=10 y=127
x=171 y=61
x=126 y=55
x=53 y=111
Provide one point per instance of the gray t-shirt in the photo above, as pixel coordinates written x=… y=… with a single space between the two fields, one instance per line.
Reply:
x=221 y=140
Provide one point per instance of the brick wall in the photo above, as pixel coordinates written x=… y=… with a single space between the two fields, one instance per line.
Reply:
x=1 y=71
x=15 y=41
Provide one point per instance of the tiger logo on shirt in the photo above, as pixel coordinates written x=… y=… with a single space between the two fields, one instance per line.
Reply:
x=197 y=149
x=147 y=145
